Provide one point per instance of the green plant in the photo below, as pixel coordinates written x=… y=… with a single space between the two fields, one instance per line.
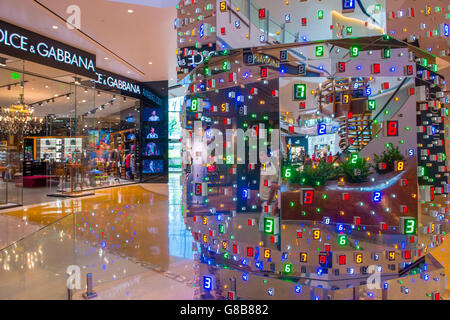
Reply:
x=315 y=175
x=356 y=170
x=389 y=156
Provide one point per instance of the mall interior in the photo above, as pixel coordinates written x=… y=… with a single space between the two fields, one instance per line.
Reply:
x=224 y=150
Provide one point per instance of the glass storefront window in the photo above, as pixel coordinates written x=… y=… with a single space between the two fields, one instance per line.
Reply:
x=87 y=138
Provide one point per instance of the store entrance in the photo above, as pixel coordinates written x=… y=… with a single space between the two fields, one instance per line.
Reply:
x=60 y=136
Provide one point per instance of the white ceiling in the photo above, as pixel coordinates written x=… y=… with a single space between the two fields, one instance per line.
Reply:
x=142 y=44
x=151 y=3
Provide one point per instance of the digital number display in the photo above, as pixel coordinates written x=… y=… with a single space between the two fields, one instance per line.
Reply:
x=354 y=51
x=262 y=13
x=250 y=251
x=321 y=129
x=341 y=66
x=269 y=225
x=386 y=53
x=391 y=128
x=208 y=282
x=358 y=258
x=194 y=105
x=342 y=240
x=299 y=91
x=376 y=197
x=376 y=68
x=264 y=72
x=302 y=69
x=307 y=196
x=287 y=268
x=342 y=260
x=399 y=165
x=372 y=104
x=325 y=259
x=319 y=51
x=316 y=234
x=409 y=226
x=267 y=253
x=287 y=173
x=348 y=5
x=198 y=189
x=303 y=257
x=223 y=6
x=283 y=55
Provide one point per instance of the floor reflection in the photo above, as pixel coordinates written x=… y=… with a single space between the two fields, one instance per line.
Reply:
x=117 y=235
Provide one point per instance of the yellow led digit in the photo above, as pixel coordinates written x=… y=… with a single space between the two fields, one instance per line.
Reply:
x=267 y=253
x=224 y=244
x=358 y=258
x=303 y=257
x=316 y=234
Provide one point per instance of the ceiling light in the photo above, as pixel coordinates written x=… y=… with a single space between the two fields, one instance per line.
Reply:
x=150 y=62
x=106 y=58
x=130 y=11
x=55 y=27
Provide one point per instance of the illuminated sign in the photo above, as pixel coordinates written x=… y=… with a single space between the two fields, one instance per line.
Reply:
x=208 y=282
x=299 y=91
x=408 y=225
x=348 y=5
x=390 y=128
x=110 y=81
x=321 y=129
x=21 y=43
x=306 y=196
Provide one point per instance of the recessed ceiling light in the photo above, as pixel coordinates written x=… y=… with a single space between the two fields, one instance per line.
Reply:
x=106 y=58
x=150 y=62
x=55 y=27
x=130 y=11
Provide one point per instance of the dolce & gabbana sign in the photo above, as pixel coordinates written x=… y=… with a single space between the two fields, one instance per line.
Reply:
x=27 y=45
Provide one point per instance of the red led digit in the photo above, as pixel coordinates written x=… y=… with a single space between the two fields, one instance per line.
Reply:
x=392 y=128
x=262 y=13
x=308 y=196
x=235 y=248
x=342 y=260
x=341 y=66
x=264 y=73
x=198 y=189
x=376 y=68
x=249 y=252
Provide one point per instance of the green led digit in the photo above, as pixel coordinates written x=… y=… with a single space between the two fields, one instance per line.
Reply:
x=354 y=159
x=410 y=226
x=268 y=225
x=354 y=51
x=287 y=268
x=287 y=173
x=299 y=91
x=342 y=240
x=194 y=105
x=319 y=51
x=372 y=104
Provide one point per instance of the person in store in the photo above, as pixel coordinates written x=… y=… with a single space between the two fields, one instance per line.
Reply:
x=152 y=134
x=307 y=161
x=153 y=117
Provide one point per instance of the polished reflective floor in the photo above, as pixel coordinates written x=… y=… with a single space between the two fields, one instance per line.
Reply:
x=132 y=240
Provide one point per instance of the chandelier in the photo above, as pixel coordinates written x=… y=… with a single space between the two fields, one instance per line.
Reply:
x=19 y=118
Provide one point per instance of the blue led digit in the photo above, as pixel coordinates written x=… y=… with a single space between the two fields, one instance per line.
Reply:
x=202 y=30
x=321 y=129
x=376 y=196
x=207 y=283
